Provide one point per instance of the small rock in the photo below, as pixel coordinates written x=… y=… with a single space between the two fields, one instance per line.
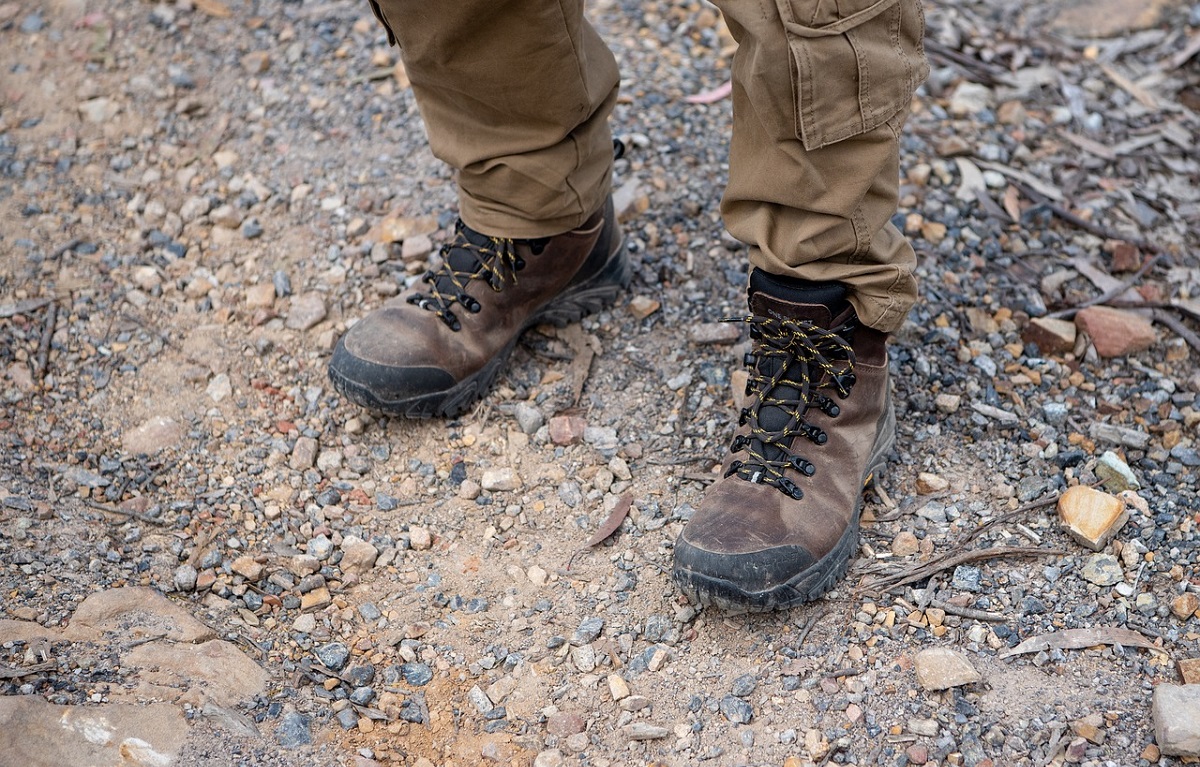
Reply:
x=537 y=575
x=1115 y=473
x=588 y=631
x=420 y=538
x=499 y=480
x=736 y=710
x=418 y=674
x=1102 y=570
x=642 y=307
x=1051 y=336
x=618 y=687
x=744 y=686
x=715 y=333
x=940 y=668
x=947 y=403
x=969 y=99
x=305 y=623
x=246 y=567
x=1090 y=727
x=926 y=728
x=630 y=200
x=416 y=248
x=358 y=556
x=563 y=724
x=1116 y=332
x=567 y=430
x=333 y=655
x=549 y=758
x=157 y=433
x=1092 y=517
x=306 y=311
x=304 y=454
x=529 y=418
x=1185 y=605
x=1189 y=669
x=316 y=599
x=256 y=62
x=905 y=544
x=927 y=483
x=219 y=388
x=584 y=658
x=1177 y=719
x=185 y=578
x=260 y=296
x=99 y=110
x=225 y=216
x=294 y=730
x=917 y=754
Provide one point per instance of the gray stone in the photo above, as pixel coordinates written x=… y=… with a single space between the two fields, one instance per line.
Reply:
x=304 y=454
x=306 y=311
x=294 y=730
x=219 y=388
x=1115 y=473
x=940 y=668
x=1103 y=570
x=185 y=578
x=588 y=631
x=736 y=710
x=479 y=699
x=529 y=418
x=333 y=655
x=744 y=685
x=320 y=547
x=1177 y=719
x=358 y=556
x=967 y=578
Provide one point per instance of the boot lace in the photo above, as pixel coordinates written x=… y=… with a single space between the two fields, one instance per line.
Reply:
x=794 y=364
x=471 y=256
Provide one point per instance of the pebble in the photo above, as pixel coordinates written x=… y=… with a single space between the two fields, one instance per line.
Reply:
x=305 y=311
x=617 y=687
x=736 y=710
x=529 y=418
x=744 y=686
x=566 y=430
x=563 y=724
x=940 y=668
x=333 y=655
x=715 y=333
x=1116 y=332
x=1115 y=473
x=358 y=556
x=1091 y=517
x=420 y=538
x=185 y=578
x=1176 y=712
x=905 y=544
x=153 y=435
x=304 y=454
x=549 y=758
x=1185 y=605
x=642 y=307
x=947 y=403
x=928 y=483
x=1102 y=570
x=294 y=730
x=1051 y=336
x=219 y=388
x=499 y=480
x=588 y=631
x=479 y=699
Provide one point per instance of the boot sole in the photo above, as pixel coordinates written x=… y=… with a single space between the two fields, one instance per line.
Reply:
x=806 y=586
x=588 y=297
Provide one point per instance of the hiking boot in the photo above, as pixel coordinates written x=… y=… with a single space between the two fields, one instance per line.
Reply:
x=779 y=528
x=437 y=348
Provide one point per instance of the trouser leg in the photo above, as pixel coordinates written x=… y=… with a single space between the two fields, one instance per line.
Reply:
x=515 y=95
x=821 y=91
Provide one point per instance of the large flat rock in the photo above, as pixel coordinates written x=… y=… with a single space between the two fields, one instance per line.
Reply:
x=34 y=733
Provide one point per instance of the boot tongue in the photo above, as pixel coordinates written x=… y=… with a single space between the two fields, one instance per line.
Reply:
x=785 y=298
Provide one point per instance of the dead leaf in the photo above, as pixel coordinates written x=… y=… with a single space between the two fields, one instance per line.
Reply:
x=1078 y=639
x=1012 y=202
x=214 y=8
x=972 y=185
x=586 y=347
x=615 y=518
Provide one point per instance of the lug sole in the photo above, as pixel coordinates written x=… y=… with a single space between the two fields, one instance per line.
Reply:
x=588 y=297
x=809 y=585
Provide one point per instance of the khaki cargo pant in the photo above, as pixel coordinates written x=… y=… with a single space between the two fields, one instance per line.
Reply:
x=516 y=95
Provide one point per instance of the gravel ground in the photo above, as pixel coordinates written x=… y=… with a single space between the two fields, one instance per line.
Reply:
x=196 y=200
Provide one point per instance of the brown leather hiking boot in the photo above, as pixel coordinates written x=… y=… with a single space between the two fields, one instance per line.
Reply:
x=437 y=348
x=779 y=528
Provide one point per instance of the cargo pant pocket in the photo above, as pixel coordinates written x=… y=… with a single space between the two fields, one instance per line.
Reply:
x=852 y=69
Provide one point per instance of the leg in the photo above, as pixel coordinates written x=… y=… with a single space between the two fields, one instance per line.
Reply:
x=819 y=99
x=515 y=95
